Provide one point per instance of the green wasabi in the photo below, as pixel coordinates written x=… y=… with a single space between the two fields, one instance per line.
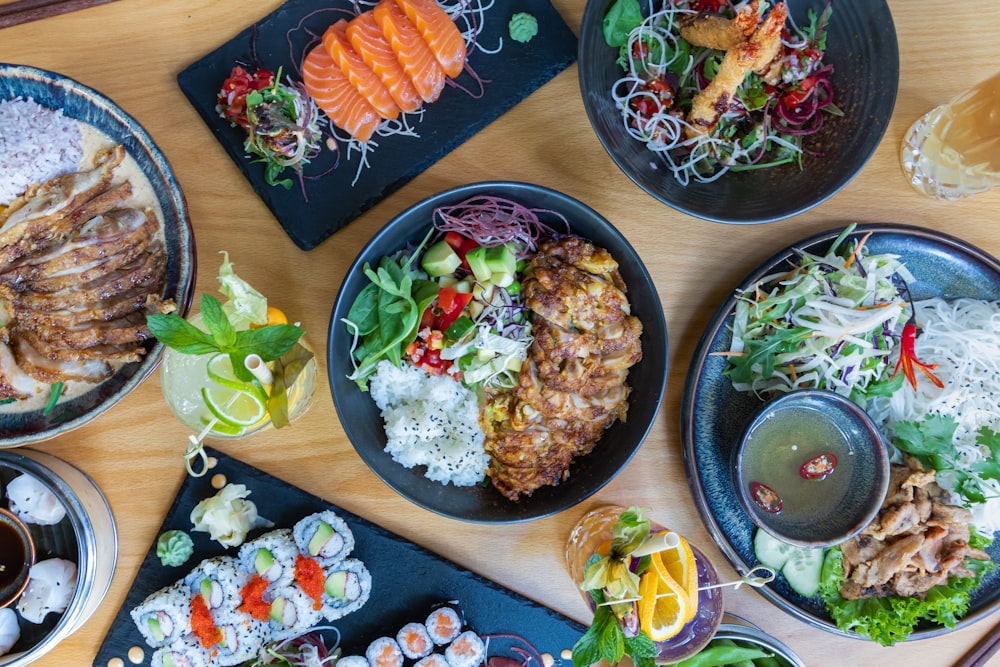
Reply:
x=174 y=548
x=523 y=26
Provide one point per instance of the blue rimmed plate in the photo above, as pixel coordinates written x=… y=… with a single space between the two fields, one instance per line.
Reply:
x=714 y=414
x=85 y=104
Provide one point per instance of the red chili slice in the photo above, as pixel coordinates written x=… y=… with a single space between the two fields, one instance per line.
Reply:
x=818 y=467
x=765 y=497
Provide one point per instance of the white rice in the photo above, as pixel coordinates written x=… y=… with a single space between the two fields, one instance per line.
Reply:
x=431 y=421
x=36 y=144
x=963 y=338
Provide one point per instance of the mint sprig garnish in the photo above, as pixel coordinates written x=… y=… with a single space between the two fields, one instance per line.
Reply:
x=270 y=342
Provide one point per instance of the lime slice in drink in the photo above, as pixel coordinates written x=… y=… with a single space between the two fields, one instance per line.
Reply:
x=233 y=407
x=220 y=370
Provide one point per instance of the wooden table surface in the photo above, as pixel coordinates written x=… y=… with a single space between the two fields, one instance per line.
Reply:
x=132 y=50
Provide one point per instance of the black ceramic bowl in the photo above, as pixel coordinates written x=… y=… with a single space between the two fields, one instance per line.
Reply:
x=85 y=104
x=861 y=46
x=483 y=504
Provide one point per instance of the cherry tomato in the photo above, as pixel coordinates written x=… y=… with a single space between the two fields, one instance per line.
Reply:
x=818 y=467
x=794 y=98
x=765 y=497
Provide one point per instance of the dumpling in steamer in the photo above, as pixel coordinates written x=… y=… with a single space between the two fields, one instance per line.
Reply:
x=51 y=584
x=32 y=501
x=10 y=631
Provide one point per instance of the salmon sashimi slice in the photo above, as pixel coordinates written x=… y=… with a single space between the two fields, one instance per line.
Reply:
x=358 y=73
x=411 y=50
x=337 y=97
x=439 y=31
x=368 y=41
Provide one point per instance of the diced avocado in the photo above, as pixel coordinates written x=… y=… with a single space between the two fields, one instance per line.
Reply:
x=463 y=286
x=206 y=590
x=502 y=279
x=168 y=659
x=477 y=263
x=278 y=610
x=263 y=561
x=154 y=628
x=324 y=532
x=501 y=259
x=448 y=280
x=440 y=259
x=336 y=584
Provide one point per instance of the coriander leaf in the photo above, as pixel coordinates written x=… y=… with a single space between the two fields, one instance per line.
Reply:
x=178 y=334
x=217 y=322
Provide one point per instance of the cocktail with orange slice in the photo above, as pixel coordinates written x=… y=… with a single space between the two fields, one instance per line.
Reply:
x=655 y=596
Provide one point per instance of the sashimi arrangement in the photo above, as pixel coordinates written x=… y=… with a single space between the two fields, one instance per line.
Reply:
x=51 y=581
x=382 y=62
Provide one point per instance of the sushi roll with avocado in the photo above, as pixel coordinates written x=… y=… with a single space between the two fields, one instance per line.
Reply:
x=218 y=581
x=467 y=650
x=292 y=613
x=384 y=652
x=325 y=537
x=271 y=556
x=415 y=641
x=346 y=588
x=444 y=624
x=164 y=616
x=240 y=638
x=183 y=652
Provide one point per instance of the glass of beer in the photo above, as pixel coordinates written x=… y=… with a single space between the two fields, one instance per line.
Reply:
x=954 y=150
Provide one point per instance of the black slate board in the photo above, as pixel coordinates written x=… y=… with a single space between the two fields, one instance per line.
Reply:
x=406 y=578
x=334 y=199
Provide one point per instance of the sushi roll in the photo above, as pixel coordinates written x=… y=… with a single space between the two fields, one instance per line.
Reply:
x=352 y=661
x=183 y=652
x=292 y=613
x=467 y=650
x=164 y=616
x=444 y=624
x=33 y=502
x=51 y=584
x=271 y=556
x=384 y=652
x=346 y=588
x=218 y=581
x=10 y=631
x=432 y=660
x=241 y=638
x=324 y=536
x=414 y=640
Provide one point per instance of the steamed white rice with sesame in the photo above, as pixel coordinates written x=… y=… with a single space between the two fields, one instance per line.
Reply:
x=36 y=144
x=431 y=421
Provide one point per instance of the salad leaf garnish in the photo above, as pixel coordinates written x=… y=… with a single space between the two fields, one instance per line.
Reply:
x=623 y=16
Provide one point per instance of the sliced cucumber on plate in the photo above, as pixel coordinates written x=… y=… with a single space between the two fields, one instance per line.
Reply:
x=801 y=566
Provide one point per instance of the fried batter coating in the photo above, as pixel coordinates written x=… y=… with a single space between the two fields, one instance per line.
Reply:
x=715 y=31
x=760 y=50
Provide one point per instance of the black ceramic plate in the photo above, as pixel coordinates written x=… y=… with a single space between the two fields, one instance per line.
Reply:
x=482 y=503
x=406 y=579
x=335 y=199
x=714 y=414
x=85 y=104
x=861 y=45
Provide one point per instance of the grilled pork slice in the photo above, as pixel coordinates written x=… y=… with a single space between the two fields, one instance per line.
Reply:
x=50 y=371
x=125 y=330
x=14 y=382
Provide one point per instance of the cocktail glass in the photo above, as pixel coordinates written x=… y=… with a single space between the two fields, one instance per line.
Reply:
x=594 y=528
x=183 y=377
x=953 y=151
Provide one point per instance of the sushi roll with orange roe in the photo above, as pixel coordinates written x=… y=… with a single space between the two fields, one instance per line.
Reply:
x=432 y=660
x=415 y=641
x=384 y=652
x=443 y=624
x=467 y=650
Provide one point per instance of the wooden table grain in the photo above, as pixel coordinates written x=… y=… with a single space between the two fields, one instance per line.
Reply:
x=132 y=50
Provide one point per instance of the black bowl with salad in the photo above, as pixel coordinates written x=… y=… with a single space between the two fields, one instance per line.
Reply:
x=772 y=135
x=412 y=234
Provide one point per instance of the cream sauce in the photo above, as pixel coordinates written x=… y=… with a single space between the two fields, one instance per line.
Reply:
x=143 y=197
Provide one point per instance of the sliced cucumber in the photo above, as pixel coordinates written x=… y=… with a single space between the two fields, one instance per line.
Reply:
x=771 y=551
x=802 y=571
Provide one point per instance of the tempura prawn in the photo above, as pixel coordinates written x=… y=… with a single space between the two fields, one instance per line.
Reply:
x=715 y=31
x=760 y=50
